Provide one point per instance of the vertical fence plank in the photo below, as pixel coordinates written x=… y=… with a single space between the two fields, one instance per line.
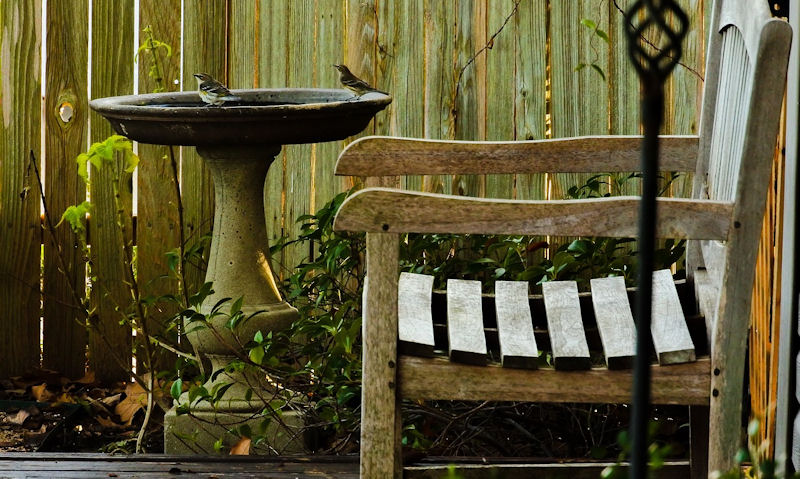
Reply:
x=112 y=74
x=440 y=19
x=500 y=82
x=579 y=99
x=157 y=229
x=401 y=71
x=66 y=114
x=330 y=30
x=205 y=50
x=468 y=92
x=20 y=105
x=361 y=33
x=301 y=53
x=529 y=93
x=272 y=73
x=686 y=83
x=623 y=86
x=243 y=36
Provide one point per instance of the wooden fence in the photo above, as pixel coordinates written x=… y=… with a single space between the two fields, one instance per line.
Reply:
x=469 y=69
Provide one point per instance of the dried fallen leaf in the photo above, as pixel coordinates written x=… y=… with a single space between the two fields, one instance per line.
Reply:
x=136 y=399
x=65 y=398
x=108 y=423
x=241 y=448
x=18 y=418
x=40 y=393
x=87 y=379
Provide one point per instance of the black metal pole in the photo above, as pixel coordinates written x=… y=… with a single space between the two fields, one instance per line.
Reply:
x=652 y=113
x=653 y=67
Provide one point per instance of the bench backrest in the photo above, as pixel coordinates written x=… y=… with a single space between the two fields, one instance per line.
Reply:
x=745 y=78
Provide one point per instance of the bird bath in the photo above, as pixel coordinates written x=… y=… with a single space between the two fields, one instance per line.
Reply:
x=238 y=142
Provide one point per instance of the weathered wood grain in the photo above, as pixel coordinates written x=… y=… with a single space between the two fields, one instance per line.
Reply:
x=330 y=36
x=685 y=86
x=64 y=337
x=157 y=227
x=438 y=378
x=414 y=315
x=466 y=340
x=359 y=53
x=565 y=325
x=671 y=338
x=514 y=325
x=401 y=72
x=440 y=19
x=110 y=342
x=579 y=100
x=530 y=94
x=612 y=311
x=500 y=80
x=20 y=135
x=382 y=209
x=623 y=89
x=380 y=440
x=273 y=64
x=730 y=333
x=299 y=158
x=379 y=156
x=205 y=50
x=468 y=90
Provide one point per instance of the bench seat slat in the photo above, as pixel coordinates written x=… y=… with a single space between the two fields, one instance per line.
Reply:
x=565 y=326
x=515 y=326
x=671 y=338
x=612 y=310
x=465 y=322
x=414 y=317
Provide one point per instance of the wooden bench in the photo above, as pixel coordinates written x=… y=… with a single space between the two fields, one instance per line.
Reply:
x=731 y=158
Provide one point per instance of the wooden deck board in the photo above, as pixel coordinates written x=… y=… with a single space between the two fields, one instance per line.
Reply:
x=86 y=465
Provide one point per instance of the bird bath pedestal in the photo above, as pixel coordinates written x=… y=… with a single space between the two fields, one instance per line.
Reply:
x=238 y=142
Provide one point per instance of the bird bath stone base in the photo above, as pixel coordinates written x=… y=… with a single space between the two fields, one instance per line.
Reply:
x=238 y=266
x=238 y=141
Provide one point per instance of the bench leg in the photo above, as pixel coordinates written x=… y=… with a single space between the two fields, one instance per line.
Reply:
x=698 y=441
x=380 y=441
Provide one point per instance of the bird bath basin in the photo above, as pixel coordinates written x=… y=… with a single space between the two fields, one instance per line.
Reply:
x=239 y=141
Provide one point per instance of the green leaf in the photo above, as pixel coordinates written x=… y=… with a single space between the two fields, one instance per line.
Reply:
x=599 y=71
x=588 y=23
x=176 y=389
x=257 y=354
x=603 y=35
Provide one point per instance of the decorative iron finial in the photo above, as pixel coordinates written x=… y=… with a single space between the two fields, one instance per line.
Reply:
x=651 y=17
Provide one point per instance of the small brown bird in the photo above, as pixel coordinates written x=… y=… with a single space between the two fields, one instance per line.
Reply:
x=213 y=92
x=353 y=83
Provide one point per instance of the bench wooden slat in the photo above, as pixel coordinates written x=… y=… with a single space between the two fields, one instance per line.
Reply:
x=671 y=338
x=391 y=156
x=565 y=326
x=515 y=326
x=387 y=210
x=465 y=322
x=438 y=378
x=612 y=310
x=415 y=321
